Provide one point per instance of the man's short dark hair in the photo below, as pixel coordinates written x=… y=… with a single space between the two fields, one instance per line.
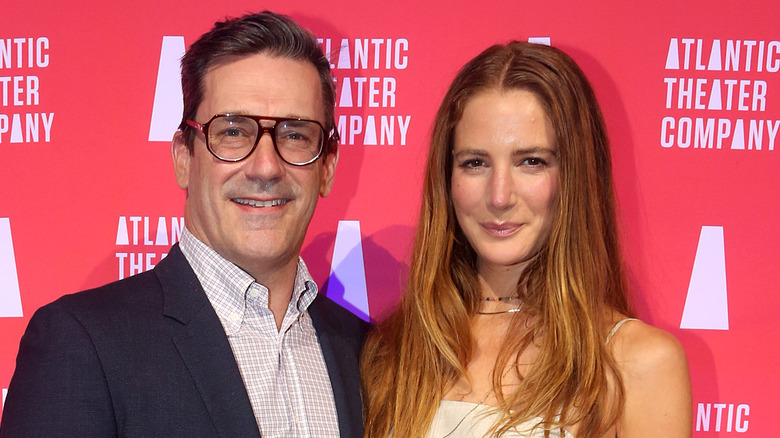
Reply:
x=262 y=33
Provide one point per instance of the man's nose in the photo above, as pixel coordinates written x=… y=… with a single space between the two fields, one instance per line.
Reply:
x=264 y=162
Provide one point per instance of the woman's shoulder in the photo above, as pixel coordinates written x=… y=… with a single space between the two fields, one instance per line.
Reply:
x=654 y=370
x=641 y=348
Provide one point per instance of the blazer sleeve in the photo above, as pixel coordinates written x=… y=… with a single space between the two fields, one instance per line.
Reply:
x=58 y=387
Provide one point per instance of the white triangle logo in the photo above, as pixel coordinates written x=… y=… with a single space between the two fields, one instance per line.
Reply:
x=347 y=281
x=540 y=40
x=706 y=306
x=168 y=105
x=10 y=299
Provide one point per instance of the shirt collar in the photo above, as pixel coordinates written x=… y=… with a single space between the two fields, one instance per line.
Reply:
x=228 y=287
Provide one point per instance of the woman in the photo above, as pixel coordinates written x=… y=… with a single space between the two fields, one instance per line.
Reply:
x=515 y=320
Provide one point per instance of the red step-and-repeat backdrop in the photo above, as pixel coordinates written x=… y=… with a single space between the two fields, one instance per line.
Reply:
x=690 y=91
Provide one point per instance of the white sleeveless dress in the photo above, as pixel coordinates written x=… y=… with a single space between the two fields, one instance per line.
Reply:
x=458 y=419
x=477 y=420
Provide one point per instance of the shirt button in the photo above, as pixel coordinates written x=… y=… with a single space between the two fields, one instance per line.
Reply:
x=253 y=293
x=234 y=317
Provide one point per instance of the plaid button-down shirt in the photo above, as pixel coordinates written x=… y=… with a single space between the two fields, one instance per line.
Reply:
x=283 y=370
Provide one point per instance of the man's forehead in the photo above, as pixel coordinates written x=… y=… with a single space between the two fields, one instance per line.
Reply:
x=246 y=84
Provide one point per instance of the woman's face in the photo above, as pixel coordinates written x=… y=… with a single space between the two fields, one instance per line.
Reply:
x=505 y=177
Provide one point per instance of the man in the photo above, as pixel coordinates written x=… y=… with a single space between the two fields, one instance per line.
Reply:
x=226 y=336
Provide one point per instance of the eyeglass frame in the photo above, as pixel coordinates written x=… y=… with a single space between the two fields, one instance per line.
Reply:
x=262 y=130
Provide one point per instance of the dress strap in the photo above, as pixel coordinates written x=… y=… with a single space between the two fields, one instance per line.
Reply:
x=616 y=327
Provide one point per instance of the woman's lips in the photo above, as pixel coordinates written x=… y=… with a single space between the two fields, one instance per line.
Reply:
x=502 y=229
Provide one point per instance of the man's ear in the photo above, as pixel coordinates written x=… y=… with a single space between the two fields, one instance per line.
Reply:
x=182 y=158
x=328 y=173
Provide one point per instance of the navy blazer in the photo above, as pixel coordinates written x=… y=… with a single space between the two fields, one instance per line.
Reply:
x=147 y=357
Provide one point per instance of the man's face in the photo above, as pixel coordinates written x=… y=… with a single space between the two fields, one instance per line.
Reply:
x=254 y=212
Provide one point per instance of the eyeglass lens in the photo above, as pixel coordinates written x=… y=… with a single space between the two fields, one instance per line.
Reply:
x=234 y=137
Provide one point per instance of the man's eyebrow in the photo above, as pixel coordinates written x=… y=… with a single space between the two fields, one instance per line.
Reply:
x=251 y=113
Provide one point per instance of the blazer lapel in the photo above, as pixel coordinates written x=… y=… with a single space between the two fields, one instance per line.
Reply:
x=204 y=348
x=341 y=358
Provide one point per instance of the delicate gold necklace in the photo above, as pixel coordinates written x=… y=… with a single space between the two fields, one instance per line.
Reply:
x=498 y=312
